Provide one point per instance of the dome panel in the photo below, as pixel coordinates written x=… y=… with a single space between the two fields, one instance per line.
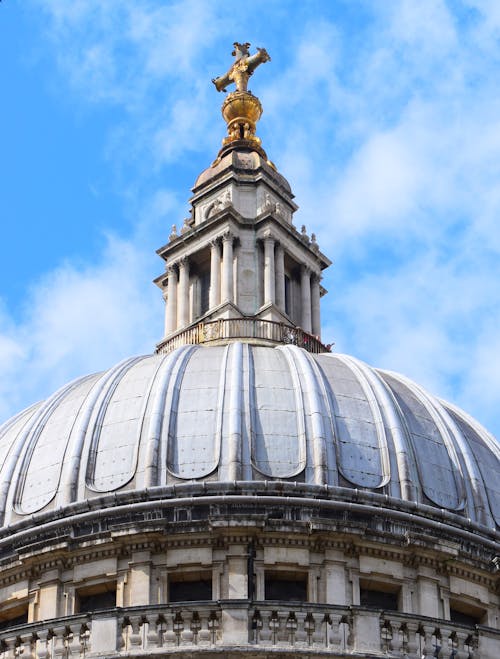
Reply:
x=116 y=435
x=361 y=445
x=194 y=433
x=42 y=465
x=487 y=461
x=278 y=433
x=9 y=431
x=242 y=413
x=437 y=465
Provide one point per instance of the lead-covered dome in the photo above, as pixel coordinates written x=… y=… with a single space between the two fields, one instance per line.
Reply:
x=247 y=413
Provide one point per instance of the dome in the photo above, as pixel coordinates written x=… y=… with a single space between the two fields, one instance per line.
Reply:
x=244 y=160
x=249 y=414
x=244 y=490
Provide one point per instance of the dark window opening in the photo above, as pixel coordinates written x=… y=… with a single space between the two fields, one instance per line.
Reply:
x=463 y=614
x=204 y=292
x=93 y=598
x=184 y=588
x=13 y=617
x=286 y=587
x=378 y=599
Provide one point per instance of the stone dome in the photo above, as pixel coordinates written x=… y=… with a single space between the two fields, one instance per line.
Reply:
x=246 y=413
x=244 y=160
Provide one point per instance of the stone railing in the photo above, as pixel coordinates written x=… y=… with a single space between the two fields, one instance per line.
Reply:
x=63 y=637
x=260 y=627
x=265 y=331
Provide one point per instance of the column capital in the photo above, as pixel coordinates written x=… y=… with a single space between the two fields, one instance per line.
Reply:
x=266 y=236
x=316 y=277
x=227 y=236
x=306 y=270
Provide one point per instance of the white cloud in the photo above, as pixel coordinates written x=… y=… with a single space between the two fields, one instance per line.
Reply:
x=78 y=319
x=388 y=132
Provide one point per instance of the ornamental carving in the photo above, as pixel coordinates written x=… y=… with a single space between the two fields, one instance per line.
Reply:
x=221 y=202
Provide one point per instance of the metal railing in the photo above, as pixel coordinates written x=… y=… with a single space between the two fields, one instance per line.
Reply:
x=265 y=331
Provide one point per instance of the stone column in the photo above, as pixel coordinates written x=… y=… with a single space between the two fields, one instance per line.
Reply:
x=305 y=293
x=164 y=294
x=280 y=277
x=227 y=267
x=171 y=310
x=269 y=272
x=214 y=295
x=315 y=295
x=183 y=293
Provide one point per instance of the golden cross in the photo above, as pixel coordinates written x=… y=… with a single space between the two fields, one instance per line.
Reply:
x=243 y=67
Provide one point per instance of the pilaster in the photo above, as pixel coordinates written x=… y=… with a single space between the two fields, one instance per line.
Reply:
x=315 y=302
x=280 y=277
x=183 y=292
x=269 y=271
x=214 y=273
x=171 y=310
x=227 y=267
x=305 y=295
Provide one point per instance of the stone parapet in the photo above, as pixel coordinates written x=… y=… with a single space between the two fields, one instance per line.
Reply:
x=255 y=330
x=255 y=628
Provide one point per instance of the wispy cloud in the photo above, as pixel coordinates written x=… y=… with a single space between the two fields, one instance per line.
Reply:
x=383 y=117
x=78 y=319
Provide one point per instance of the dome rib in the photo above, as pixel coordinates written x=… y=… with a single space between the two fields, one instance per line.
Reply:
x=437 y=463
x=249 y=413
x=273 y=439
x=17 y=463
x=232 y=434
x=380 y=446
x=10 y=430
x=402 y=460
x=70 y=475
x=486 y=453
x=476 y=497
x=195 y=424
x=152 y=439
x=93 y=454
x=314 y=406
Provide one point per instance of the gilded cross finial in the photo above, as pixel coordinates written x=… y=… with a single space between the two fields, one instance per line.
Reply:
x=241 y=109
x=243 y=66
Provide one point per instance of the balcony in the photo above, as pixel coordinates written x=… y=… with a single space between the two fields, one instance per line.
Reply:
x=256 y=628
x=254 y=330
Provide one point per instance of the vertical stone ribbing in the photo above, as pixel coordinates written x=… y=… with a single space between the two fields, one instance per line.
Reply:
x=227 y=268
x=214 y=295
x=269 y=271
x=315 y=305
x=171 y=310
x=305 y=294
x=183 y=293
x=280 y=277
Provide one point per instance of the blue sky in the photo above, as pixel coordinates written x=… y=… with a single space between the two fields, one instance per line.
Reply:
x=384 y=115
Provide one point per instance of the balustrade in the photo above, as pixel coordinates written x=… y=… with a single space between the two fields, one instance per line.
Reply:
x=243 y=328
x=265 y=626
